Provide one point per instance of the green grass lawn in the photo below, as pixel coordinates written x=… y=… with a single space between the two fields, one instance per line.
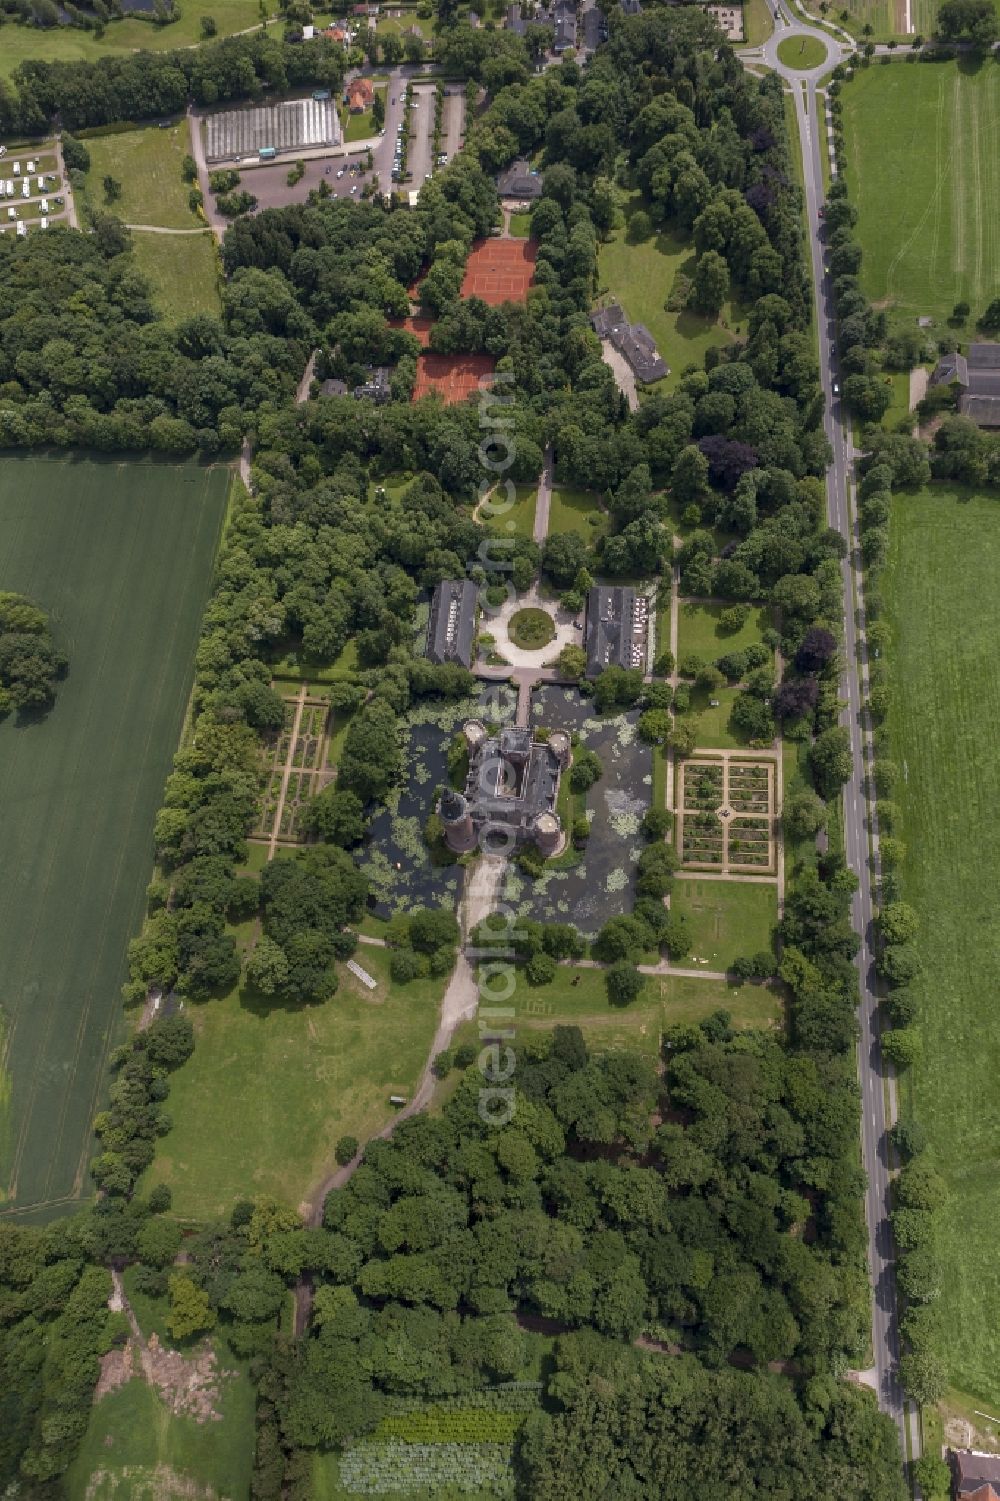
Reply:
x=805 y=52
x=269 y=1089
x=900 y=380
x=758 y=22
x=520 y=226
x=338 y=734
x=925 y=176
x=698 y=630
x=147 y=163
x=67 y=44
x=728 y=918
x=292 y=673
x=182 y=271
x=576 y=511
x=940 y=586
x=641 y=276
x=511 y=520
x=714 y=732
x=121 y=556
x=666 y=1001
x=136 y=1449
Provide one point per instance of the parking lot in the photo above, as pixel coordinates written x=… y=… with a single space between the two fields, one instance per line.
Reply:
x=32 y=191
x=343 y=168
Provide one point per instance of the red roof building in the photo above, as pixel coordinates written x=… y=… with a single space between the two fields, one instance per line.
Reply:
x=360 y=95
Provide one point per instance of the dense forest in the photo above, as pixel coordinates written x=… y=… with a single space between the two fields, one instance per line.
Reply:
x=711 y=1213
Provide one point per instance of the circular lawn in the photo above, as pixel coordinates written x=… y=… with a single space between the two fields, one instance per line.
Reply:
x=805 y=52
x=531 y=629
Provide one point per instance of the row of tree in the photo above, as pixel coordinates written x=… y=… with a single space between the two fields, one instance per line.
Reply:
x=148 y=85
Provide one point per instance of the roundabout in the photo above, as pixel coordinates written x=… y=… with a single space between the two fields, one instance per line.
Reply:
x=802 y=52
x=798 y=51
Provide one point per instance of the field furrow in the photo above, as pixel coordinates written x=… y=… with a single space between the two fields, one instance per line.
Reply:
x=121 y=556
x=945 y=613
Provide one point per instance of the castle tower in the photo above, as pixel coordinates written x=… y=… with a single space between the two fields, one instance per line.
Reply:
x=459 y=832
x=547 y=831
x=561 y=748
x=475 y=733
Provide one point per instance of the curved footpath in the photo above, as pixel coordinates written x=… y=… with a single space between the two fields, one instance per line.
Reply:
x=877 y=1086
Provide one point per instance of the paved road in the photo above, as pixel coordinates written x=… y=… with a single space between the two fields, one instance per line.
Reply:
x=885 y=1329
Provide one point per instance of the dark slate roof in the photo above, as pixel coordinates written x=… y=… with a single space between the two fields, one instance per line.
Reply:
x=982 y=409
x=984 y=356
x=633 y=340
x=376 y=387
x=609 y=628
x=639 y=348
x=975 y=1472
x=515 y=21
x=527 y=772
x=333 y=388
x=519 y=181
x=452 y=625
x=564 y=21
x=950 y=368
x=632 y=7
x=607 y=319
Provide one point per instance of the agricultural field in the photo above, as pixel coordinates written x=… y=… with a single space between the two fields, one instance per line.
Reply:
x=925 y=175
x=136 y=1449
x=269 y=1089
x=65 y=44
x=729 y=919
x=120 y=555
x=940 y=588
x=147 y=164
x=182 y=271
x=640 y=276
x=887 y=18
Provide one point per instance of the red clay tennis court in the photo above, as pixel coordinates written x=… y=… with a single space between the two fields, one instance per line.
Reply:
x=453 y=376
x=500 y=270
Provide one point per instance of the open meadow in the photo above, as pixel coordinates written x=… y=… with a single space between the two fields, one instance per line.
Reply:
x=147 y=165
x=641 y=275
x=136 y=1449
x=577 y=997
x=260 y=1105
x=182 y=272
x=924 y=172
x=120 y=555
x=69 y=44
x=940 y=587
